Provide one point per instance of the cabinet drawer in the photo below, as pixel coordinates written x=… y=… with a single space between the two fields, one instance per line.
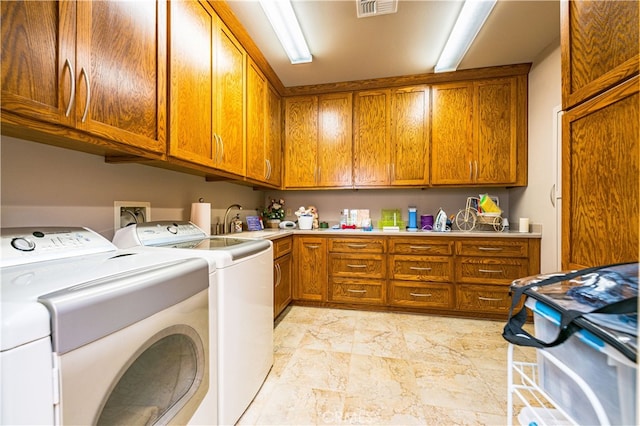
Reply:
x=282 y=246
x=421 y=268
x=357 y=290
x=493 y=248
x=357 y=245
x=483 y=298
x=428 y=295
x=420 y=246
x=485 y=270
x=357 y=265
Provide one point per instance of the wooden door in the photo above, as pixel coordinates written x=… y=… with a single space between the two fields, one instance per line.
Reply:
x=230 y=63
x=311 y=264
x=121 y=71
x=600 y=173
x=301 y=141
x=283 y=274
x=335 y=136
x=273 y=139
x=39 y=60
x=600 y=45
x=495 y=136
x=372 y=138
x=410 y=136
x=451 y=134
x=257 y=166
x=191 y=103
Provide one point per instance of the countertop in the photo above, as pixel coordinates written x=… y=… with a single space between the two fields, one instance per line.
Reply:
x=273 y=234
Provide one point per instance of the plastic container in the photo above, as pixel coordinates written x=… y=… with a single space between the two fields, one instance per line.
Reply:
x=609 y=375
x=391 y=217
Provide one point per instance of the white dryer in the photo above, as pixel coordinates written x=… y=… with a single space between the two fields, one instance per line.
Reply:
x=242 y=299
x=95 y=335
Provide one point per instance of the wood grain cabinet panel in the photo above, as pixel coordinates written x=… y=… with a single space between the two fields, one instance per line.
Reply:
x=311 y=268
x=318 y=141
x=490 y=270
x=99 y=67
x=357 y=291
x=357 y=265
x=421 y=268
x=421 y=295
x=599 y=47
x=420 y=246
x=273 y=138
x=600 y=173
x=483 y=298
x=492 y=247
x=282 y=282
x=357 y=245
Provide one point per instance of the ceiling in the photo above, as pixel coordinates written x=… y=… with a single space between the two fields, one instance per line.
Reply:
x=346 y=48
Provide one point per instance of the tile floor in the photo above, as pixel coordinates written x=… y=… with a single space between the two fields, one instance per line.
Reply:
x=348 y=367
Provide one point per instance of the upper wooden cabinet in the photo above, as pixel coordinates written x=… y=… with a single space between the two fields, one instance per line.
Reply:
x=318 y=141
x=391 y=137
x=207 y=89
x=99 y=67
x=263 y=128
x=479 y=133
x=599 y=47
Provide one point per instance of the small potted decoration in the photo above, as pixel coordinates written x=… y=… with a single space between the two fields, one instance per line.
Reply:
x=273 y=213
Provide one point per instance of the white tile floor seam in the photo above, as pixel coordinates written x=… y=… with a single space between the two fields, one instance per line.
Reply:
x=344 y=367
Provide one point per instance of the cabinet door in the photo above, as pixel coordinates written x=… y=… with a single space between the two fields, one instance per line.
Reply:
x=283 y=268
x=38 y=59
x=410 y=136
x=372 y=138
x=311 y=261
x=191 y=137
x=301 y=136
x=257 y=166
x=600 y=173
x=451 y=137
x=273 y=139
x=599 y=47
x=495 y=150
x=335 y=136
x=121 y=71
x=230 y=62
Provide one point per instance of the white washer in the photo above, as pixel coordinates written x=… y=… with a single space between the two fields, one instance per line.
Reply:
x=81 y=318
x=243 y=301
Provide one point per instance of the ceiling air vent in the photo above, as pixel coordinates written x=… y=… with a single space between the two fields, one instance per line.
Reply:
x=376 y=7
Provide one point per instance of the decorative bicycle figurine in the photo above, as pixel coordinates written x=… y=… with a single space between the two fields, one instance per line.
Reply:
x=480 y=212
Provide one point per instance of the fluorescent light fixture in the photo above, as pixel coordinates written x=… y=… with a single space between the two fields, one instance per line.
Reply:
x=471 y=18
x=285 y=24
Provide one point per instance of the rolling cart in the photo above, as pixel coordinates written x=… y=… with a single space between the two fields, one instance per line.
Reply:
x=472 y=217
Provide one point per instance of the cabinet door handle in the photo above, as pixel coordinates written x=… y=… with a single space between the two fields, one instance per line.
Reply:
x=490 y=248
x=470 y=170
x=268 y=169
x=72 y=95
x=88 y=99
x=356 y=266
x=356 y=245
x=491 y=271
x=418 y=268
x=490 y=299
x=278 y=274
x=420 y=294
x=221 y=149
x=356 y=291
x=311 y=246
x=552 y=194
x=218 y=148
x=420 y=247
x=475 y=178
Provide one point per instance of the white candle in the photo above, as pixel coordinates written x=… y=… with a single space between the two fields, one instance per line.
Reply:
x=524 y=224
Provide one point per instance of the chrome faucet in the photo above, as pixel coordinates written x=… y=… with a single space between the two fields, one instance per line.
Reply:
x=227 y=227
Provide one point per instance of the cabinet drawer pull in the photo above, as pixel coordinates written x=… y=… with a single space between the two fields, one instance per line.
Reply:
x=490 y=248
x=420 y=247
x=491 y=271
x=356 y=266
x=356 y=245
x=418 y=268
x=72 y=95
x=420 y=294
x=356 y=291
x=311 y=246
x=490 y=299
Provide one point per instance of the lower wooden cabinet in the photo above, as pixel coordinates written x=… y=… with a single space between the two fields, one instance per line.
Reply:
x=282 y=274
x=448 y=275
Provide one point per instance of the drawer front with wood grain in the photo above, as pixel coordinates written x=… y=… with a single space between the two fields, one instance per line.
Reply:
x=493 y=248
x=421 y=268
x=357 y=265
x=421 y=295
x=421 y=246
x=282 y=246
x=356 y=290
x=483 y=298
x=485 y=270
x=357 y=245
